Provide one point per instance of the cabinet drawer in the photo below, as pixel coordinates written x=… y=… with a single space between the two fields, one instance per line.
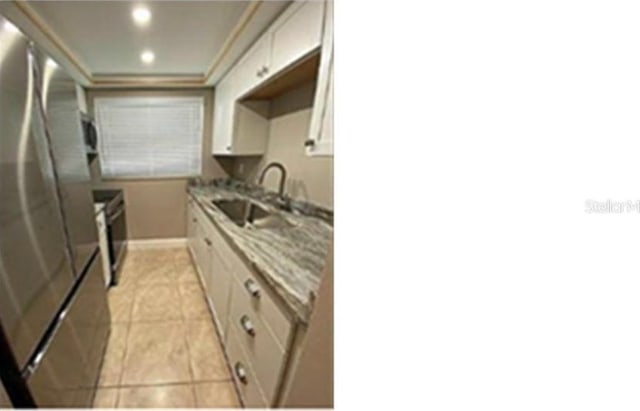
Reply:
x=262 y=305
x=243 y=374
x=263 y=351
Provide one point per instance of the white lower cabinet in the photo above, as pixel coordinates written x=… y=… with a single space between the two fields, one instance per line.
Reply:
x=191 y=226
x=200 y=247
x=219 y=284
x=243 y=374
x=256 y=330
x=260 y=346
x=197 y=240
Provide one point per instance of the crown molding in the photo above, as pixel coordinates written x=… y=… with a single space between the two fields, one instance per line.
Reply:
x=44 y=28
x=34 y=26
x=246 y=17
x=139 y=76
x=146 y=81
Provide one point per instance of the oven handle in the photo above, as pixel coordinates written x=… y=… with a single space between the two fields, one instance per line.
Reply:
x=116 y=265
x=115 y=215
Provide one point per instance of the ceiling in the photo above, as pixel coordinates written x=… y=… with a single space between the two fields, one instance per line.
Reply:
x=184 y=36
x=188 y=38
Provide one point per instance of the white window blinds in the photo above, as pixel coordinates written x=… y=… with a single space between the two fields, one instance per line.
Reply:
x=149 y=137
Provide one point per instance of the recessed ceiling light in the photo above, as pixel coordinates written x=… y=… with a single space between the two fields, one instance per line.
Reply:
x=147 y=57
x=8 y=26
x=51 y=63
x=141 y=15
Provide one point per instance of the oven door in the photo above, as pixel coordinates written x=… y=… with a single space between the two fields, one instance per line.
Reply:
x=117 y=231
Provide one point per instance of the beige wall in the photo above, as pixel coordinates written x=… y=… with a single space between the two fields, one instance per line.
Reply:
x=312 y=380
x=308 y=178
x=156 y=208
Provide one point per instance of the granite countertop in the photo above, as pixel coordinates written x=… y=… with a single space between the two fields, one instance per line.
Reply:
x=99 y=207
x=291 y=259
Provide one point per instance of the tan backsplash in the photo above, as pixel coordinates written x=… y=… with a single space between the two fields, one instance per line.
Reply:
x=308 y=178
x=156 y=208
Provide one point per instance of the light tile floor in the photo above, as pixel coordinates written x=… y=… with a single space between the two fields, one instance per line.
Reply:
x=163 y=351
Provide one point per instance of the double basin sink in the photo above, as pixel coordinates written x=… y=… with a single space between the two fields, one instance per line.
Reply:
x=247 y=214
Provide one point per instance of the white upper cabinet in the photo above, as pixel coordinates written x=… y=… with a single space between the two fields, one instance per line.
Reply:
x=320 y=142
x=324 y=143
x=296 y=33
x=240 y=124
x=239 y=128
x=223 y=115
x=253 y=66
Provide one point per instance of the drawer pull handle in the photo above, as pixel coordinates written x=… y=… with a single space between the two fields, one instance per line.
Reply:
x=252 y=287
x=241 y=373
x=247 y=325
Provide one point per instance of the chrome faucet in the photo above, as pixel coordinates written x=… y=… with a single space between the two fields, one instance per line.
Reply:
x=283 y=175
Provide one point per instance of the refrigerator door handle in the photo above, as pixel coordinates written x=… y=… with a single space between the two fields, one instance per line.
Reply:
x=43 y=347
x=50 y=334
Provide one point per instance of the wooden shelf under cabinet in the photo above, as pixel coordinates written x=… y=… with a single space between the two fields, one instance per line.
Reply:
x=304 y=71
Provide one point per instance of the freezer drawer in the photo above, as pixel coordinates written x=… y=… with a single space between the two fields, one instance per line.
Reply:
x=66 y=371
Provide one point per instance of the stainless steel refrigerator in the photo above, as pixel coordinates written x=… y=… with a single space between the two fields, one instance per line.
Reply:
x=54 y=319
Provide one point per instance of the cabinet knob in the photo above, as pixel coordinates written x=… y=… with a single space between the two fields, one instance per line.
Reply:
x=265 y=70
x=247 y=325
x=207 y=241
x=259 y=73
x=309 y=143
x=241 y=373
x=252 y=287
x=228 y=148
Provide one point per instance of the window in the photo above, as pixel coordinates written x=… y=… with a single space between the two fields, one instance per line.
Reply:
x=149 y=137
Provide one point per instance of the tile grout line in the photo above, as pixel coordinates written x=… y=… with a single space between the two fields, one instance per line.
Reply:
x=209 y=318
x=136 y=288
x=170 y=383
x=126 y=343
x=186 y=342
x=124 y=357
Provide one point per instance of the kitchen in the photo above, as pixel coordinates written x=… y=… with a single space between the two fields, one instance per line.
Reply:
x=167 y=216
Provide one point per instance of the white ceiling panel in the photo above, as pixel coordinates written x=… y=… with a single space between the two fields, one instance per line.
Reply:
x=185 y=36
